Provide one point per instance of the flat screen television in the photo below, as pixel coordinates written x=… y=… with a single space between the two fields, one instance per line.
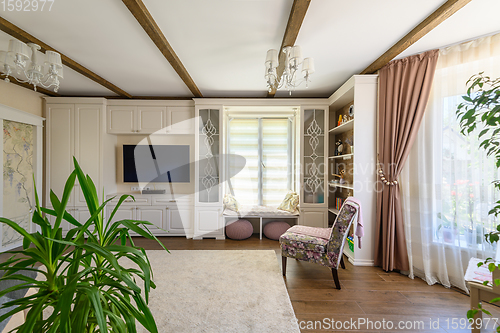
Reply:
x=156 y=163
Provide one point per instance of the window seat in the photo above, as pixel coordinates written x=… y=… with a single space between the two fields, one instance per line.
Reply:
x=265 y=215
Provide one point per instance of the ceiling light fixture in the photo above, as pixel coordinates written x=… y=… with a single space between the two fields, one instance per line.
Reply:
x=38 y=69
x=293 y=59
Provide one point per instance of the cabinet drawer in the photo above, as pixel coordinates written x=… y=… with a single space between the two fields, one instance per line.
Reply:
x=141 y=201
x=170 y=201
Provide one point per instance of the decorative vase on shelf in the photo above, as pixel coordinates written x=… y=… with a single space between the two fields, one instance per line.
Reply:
x=352 y=149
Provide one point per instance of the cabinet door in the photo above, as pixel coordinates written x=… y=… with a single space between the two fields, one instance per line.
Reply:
x=151 y=119
x=82 y=215
x=121 y=119
x=65 y=225
x=207 y=221
x=313 y=149
x=154 y=215
x=179 y=220
x=314 y=217
x=60 y=148
x=181 y=119
x=87 y=136
x=208 y=148
x=123 y=213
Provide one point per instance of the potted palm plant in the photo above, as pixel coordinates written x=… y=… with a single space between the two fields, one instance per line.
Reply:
x=83 y=287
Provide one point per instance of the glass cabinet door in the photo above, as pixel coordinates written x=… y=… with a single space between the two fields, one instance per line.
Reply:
x=209 y=139
x=313 y=159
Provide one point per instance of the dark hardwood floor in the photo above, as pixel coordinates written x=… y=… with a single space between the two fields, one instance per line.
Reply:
x=368 y=294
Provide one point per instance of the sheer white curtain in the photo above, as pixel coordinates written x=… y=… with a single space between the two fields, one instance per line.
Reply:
x=446 y=183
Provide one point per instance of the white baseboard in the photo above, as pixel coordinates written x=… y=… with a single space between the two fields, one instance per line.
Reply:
x=358 y=262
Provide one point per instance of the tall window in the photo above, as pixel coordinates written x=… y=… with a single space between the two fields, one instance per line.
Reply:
x=446 y=181
x=267 y=145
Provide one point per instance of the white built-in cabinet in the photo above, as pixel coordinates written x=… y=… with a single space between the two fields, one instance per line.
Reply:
x=358 y=94
x=313 y=156
x=133 y=119
x=170 y=215
x=208 y=221
x=76 y=128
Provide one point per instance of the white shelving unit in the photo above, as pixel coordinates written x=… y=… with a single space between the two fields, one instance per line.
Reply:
x=360 y=91
x=345 y=156
x=349 y=125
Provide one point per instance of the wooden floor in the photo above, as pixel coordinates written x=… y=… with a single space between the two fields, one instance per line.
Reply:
x=368 y=293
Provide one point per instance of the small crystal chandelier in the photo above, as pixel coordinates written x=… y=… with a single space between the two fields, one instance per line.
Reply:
x=293 y=58
x=40 y=69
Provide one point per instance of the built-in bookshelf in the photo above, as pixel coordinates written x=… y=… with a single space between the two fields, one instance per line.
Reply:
x=357 y=133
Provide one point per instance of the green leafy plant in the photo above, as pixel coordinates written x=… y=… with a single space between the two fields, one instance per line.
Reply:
x=481 y=109
x=84 y=288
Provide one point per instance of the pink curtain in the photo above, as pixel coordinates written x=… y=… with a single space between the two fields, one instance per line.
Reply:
x=404 y=88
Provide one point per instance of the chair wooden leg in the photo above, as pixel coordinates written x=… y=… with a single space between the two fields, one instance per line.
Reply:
x=336 y=278
x=342 y=262
x=283 y=265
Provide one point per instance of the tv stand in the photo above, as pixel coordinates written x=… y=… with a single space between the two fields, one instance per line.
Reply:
x=170 y=215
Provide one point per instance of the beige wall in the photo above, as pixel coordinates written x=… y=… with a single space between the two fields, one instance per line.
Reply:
x=21 y=98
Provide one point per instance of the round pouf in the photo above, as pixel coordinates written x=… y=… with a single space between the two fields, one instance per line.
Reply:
x=241 y=229
x=273 y=230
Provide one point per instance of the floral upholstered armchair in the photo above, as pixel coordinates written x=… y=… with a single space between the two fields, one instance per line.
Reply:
x=322 y=246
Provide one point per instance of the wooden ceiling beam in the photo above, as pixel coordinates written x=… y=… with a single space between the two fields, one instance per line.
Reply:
x=25 y=37
x=449 y=8
x=142 y=15
x=297 y=14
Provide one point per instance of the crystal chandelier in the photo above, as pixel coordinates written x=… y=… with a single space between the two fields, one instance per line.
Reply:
x=39 y=69
x=293 y=59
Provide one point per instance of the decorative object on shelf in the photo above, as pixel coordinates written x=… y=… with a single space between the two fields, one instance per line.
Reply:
x=345 y=119
x=338 y=203
x=313 y=183
x=349 y=142
x=39 y=69
x=340 y=121
x=350 y=241
x=351 y=111
x=339 y=148
x=293 y=58
x=209 y=131
x=341 y=176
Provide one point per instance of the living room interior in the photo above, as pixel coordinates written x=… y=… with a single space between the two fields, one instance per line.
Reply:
x=249 y=133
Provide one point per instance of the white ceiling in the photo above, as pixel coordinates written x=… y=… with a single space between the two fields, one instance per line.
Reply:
x=223 y=43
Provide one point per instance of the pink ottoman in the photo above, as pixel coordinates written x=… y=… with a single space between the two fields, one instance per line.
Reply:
x=273 y=230
x=241 y=229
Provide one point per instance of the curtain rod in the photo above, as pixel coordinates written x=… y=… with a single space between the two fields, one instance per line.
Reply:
x=453 y=44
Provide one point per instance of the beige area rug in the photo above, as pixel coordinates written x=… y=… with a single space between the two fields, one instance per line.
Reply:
x=220 y=291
